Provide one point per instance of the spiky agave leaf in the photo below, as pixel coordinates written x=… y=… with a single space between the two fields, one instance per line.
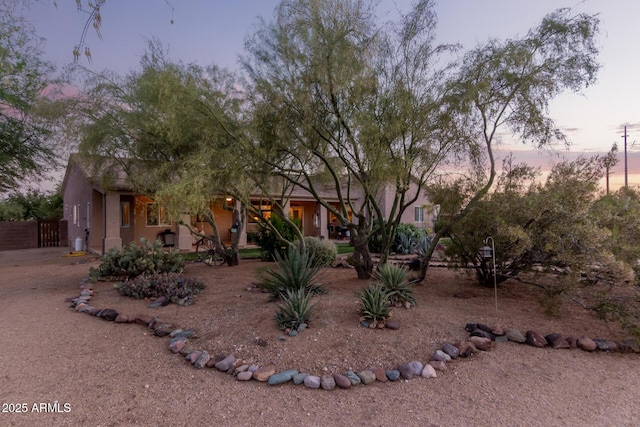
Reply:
x=295 y=309
x=394 y=280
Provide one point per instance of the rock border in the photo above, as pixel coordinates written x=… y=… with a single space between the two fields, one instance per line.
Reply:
x=481 y=338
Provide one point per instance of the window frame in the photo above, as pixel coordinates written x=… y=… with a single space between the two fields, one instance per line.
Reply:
x=160 y=214
x=125 y=214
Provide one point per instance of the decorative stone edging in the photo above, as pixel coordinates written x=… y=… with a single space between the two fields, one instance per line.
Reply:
x=481 y=338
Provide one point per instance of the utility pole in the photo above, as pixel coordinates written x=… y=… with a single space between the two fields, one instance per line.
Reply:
x=626 y=178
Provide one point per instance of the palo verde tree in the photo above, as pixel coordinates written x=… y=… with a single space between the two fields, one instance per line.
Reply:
x=345 y=107
x=181 y=133
x=506 y=86
x=176 y=130
x=25 y=151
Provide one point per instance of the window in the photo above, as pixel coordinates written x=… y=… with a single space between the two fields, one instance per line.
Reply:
x=419 y=213
x=75 y=214
x=125 y=214
x=265 y=211
x=88 y=214
x=296 y=212
x=157 y=215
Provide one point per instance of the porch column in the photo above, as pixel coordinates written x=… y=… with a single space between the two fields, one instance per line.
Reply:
x=323 y=222
x=112 y=237
x=183 y=235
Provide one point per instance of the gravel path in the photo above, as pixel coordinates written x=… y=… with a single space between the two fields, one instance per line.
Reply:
x=69 y=369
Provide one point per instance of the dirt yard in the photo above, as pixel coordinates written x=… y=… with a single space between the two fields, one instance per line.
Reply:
x=62 y=368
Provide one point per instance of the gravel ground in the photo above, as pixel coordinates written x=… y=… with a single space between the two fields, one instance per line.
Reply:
x=65 y=368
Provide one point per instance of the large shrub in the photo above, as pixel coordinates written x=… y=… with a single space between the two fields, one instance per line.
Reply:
x=323 y=252
x=134 y=260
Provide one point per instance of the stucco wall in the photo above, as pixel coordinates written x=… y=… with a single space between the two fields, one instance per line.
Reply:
x=77 y=196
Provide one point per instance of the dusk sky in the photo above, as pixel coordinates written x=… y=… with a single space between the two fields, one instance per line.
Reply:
x=213 y=31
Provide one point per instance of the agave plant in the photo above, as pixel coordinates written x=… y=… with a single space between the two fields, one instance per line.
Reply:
x=295 y=271
x=394 y=280
x=405 y=243
x=295 y=309
x=422 y=247
x=374 y=305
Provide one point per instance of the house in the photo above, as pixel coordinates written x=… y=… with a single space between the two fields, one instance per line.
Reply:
x=102 y=207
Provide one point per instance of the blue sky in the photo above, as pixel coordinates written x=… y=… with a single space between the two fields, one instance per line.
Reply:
x=213 y=31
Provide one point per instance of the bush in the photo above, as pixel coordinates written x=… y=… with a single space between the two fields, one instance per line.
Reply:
x=323 y=252
x=374 y=305
x=295 y=271
x=269 y=242
x=395 y=283
x=172 y=286
x=134 y=260
x=295 y=309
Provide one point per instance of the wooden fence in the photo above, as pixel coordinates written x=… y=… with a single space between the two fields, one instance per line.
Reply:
x=32 y=234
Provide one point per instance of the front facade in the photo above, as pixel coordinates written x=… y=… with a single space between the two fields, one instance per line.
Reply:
x=109 y=214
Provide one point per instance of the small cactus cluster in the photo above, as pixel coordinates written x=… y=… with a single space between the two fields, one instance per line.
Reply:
x=174 y=287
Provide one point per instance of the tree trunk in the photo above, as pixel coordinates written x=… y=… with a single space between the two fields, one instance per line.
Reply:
x=361 y=256
x=233 y=258
x=426 y=258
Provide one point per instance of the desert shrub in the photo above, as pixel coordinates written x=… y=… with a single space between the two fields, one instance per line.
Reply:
x=394 y=280
x=323 y=252
x=374 y=305
x=268 y=241
x=622 y=309
x=296 y=271
x=173 y=286
x=295 y=309
x=134 y=260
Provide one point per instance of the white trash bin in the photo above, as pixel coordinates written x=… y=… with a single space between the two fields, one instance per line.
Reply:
x=79 y=244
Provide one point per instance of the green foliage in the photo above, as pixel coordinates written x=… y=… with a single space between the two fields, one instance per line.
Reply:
x=394 y=281
x=268 y=240
x=134 y=260
x=295 y=309
x=296 y=271
x=25 y=150
x=173 y=286
x=622 y=309
x=409 y=239
x=406 y=239
x=619 y=213
x=323 y=252
x=374 y=305
x=547 y=225
x=32 y=205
